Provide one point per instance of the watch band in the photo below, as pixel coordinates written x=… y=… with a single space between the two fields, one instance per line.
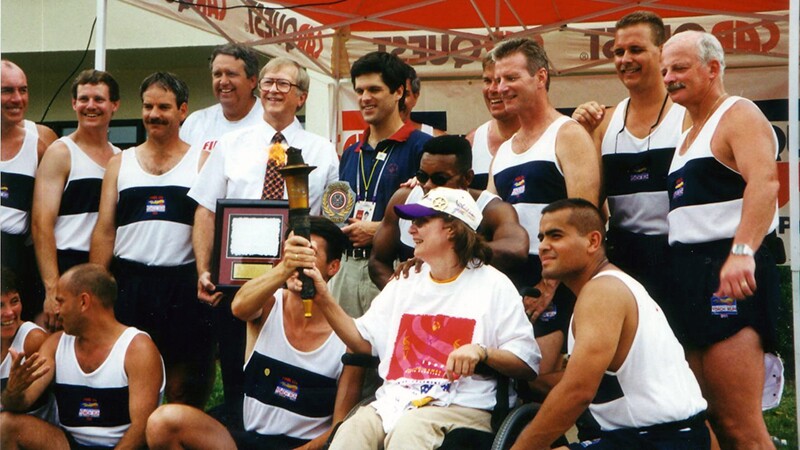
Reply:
x=742 y=250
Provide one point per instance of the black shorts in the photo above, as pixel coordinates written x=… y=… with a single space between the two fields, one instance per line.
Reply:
x=645 y=258
x=690 y=434
x=162 y=301
x=559 y=313
x=250 y=440
x=700 y=319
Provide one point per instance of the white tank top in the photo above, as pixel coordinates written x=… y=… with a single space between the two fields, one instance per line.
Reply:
x=44 y=408
x=481 y=156
x=17 y=184
x=654 y=384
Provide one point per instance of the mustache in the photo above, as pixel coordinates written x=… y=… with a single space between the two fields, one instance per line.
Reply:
x=157 y=122
x=672 y=87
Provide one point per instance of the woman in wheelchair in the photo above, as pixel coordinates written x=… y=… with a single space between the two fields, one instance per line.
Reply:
x=431 y=330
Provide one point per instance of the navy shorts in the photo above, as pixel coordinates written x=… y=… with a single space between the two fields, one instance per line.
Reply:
x=690 y=434
x=250 y=440
x=645 y=258
x=162 y=301
x=698 y=318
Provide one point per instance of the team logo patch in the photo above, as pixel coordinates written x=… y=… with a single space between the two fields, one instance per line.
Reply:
x=89 y=409
x=287 y=388
x=4 y=192
x=678 y=192
x=723 y=306
x=639 y=174
x=549 y=314
x=156 y=205
x=518 y=188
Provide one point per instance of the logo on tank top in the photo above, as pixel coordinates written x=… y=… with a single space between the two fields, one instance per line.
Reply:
x=518 y=188
x=4 y=192
x=287 y=388
x=89 y=409
x=639 y=174
x=156 y=205
x=678 y=192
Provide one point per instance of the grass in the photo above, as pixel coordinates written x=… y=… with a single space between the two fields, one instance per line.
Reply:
x=781 y=421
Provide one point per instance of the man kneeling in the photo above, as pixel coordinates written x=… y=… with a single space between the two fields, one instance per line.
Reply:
x=626 y=364
x=431 y=329
x=293 y=363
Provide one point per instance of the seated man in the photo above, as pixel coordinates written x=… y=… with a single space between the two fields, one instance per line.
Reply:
x=20 y=338
x=628 y=368
x=107 y=377
x=447 y=161
x=431 y=329
x=292 y=364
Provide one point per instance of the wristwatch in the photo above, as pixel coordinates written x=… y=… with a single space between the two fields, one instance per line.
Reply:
x=742 y=250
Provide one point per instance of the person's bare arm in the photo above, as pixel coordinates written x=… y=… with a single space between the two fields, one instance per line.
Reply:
x=462 y=361
x=34 y=340
x=46 y=139
x=386 y=244
x=580 y=163
x=746 y=144
x=28 y=380
x=596 y=343
x=51 y=177
x=145 y=378
x=105 y=230
x=508 y=239
x=203 y=245
x=343 y=325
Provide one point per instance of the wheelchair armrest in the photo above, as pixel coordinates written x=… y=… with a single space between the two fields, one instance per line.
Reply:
x=360 y=360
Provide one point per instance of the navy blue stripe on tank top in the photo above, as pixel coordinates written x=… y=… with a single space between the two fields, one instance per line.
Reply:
x=288 y=387
x=632 y=173
x=82 y=406
x=703 y=181
x=608 y=391
x=81 y=196
x=532 y=182
x=17 y=191
x=167 y=203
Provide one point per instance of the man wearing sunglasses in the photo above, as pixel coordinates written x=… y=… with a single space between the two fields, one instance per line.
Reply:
x=387 y=154
x=238 y=168
x=447 y=161
x=637 y=138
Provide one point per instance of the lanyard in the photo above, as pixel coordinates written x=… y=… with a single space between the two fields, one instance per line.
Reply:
x=368 y=181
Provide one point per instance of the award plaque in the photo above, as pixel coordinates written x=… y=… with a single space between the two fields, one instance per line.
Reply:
x=338 y=202
x=248 y=235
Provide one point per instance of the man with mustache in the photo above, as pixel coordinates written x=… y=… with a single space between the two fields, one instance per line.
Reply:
x=144 y=234
x=723 y=187
x=486 y=139
x=66 y=194
x=637 y=139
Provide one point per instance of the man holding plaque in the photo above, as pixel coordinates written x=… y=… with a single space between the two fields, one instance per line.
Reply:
x=244 y=165
x=144 y=234
x=387 y=155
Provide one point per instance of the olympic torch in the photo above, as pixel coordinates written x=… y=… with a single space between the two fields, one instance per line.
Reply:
x=295 y=173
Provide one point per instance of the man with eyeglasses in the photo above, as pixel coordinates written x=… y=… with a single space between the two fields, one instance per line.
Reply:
x=234 y=71
x=551 y=157
x=637 y=139
x=447 y=161
x=387 y=155
x=244 y=166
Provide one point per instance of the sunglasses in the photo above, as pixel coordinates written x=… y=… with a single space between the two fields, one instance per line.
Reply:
x=438 y=178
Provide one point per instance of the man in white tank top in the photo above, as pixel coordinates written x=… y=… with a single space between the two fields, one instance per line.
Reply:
x=723 y=187
x=637 y=139
x=66 y=194
x=551 y=157
x=96 y=364
x=486 y=139
x=144 y=236
x=282 y=344
x=446 y=161
x=625 y=363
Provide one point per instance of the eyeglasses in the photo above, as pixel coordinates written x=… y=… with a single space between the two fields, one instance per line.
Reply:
x=438 y=178
x=283 y=86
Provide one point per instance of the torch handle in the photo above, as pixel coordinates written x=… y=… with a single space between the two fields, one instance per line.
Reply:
x=299 y=220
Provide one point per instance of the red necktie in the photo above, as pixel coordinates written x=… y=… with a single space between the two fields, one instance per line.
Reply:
x=273 y=181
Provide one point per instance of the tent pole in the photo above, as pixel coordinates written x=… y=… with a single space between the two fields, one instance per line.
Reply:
x=793 y=145
x=100 y=37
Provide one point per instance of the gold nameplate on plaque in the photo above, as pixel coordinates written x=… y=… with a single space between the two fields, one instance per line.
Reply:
x=248 y=271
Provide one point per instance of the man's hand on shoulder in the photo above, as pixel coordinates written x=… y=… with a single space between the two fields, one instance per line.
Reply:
x=590 y=115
